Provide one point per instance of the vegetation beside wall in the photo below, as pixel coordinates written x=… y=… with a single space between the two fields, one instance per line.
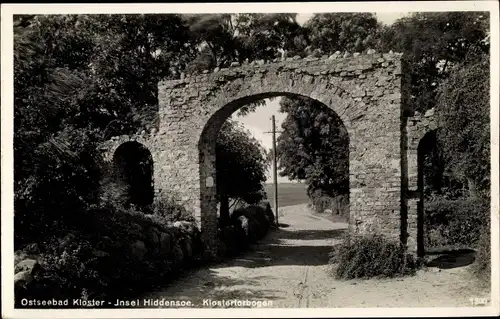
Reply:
x=372 y=256
x=335 y=206
x=245 y=226
x=115 y=251
x=457 y=223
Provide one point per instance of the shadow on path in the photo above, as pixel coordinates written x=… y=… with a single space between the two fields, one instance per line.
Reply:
x=245 y=278
x=448 y=259
x=311 y=234
x=285 y=248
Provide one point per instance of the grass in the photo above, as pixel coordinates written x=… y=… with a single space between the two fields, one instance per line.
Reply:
x=288 y=194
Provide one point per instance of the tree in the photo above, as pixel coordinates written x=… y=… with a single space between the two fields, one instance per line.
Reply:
x=240 y=165
x=314 y=146
x=135 y=53
x=215 y=35
x=226 y=38
x=463 y=114
x=264 y=36
x=74 y=77
x=80 y=79
x=431 y=43
x=352 y=32
x=55 y=169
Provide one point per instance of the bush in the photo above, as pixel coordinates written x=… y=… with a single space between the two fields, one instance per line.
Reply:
x=339 y=205
x=259 y=224
x=233 y=237
x=268 y=212
x=167 y=208
x=99 y=261
x=56 y=178
x=371 y=256
x=246 y=225
x=482 y=265
x=455 y=222
x=264 y=204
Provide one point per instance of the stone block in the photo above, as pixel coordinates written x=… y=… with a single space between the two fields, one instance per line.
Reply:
x=29 y=265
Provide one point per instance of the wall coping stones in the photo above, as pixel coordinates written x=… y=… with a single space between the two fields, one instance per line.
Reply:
x=336 y=63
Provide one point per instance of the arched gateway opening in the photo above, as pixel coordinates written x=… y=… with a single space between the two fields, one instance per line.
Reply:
x=364 y=91
x=435 y=184
x=208 y=158
x=426 y=147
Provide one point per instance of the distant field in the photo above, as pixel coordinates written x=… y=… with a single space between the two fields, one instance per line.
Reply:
x=288 y=194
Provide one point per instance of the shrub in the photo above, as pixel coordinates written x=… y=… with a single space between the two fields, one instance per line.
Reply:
x=256 y=215
x=263 y=204
x=97 y=260
x=339 y=205
x=371 y=256
x=482 y=265
x=112 y=192
x=167 y=208
x=455 y=222
x=268 y=212
x=234 y=236
x=55 y=179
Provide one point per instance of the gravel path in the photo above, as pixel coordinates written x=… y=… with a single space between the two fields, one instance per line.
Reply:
x=289 y=268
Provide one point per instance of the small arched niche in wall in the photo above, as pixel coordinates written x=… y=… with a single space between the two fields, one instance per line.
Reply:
x=133 y=170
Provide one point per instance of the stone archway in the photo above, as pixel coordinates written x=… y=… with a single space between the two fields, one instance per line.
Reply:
x=364 y=91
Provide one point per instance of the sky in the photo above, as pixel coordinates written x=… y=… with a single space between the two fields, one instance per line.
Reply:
x=259 y=122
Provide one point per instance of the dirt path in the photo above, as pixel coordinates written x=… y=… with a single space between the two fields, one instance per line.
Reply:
x=289 y=268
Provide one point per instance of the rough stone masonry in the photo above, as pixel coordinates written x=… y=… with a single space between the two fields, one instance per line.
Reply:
x=365 y=91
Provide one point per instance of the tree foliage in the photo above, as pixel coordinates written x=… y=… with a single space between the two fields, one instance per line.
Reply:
x=55 y=168
x=351 y=32
x=226 y=38
x=78 y=80
x=314 y=146
x=464 y=104
x=431 y=43
x=314 y=143
x=240 y=165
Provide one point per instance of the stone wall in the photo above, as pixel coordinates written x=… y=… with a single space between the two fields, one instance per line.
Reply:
x=363 y=90
x=106 y=265
x=161 y=153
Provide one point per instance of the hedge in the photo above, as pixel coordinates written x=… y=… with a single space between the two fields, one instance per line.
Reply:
x=455 y=222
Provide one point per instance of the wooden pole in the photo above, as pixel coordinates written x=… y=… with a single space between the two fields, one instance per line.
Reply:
x=275 y=171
